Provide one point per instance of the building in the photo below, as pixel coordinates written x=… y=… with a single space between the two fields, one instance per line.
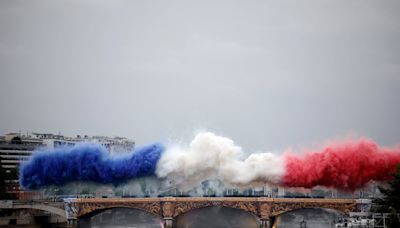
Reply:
x=16 y=148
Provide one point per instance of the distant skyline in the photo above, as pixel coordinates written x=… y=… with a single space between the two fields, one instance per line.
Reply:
x=267 y=74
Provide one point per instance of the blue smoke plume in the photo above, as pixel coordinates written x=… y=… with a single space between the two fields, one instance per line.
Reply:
x=88 y=162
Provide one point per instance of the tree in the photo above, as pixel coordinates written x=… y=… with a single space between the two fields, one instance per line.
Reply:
x=394 y=221
x=390 y=203
x=391 y=199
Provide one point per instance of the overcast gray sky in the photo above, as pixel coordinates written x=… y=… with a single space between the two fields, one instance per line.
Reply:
x=268 y=74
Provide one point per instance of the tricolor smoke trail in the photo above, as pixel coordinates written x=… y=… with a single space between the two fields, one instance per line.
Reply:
x=346 y=166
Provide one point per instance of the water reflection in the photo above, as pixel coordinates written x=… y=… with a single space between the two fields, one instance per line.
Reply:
x=121 y=218
x=310 y=218
x=217 y=217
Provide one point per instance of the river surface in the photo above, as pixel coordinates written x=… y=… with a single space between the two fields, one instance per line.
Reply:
x=310 y=218
x=121 y=218
x=217 y=217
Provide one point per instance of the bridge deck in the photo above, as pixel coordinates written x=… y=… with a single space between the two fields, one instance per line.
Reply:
x=215 y=199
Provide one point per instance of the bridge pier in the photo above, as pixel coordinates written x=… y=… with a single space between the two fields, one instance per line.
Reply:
x=72 y=223
x=265 y=223
x=169 y=222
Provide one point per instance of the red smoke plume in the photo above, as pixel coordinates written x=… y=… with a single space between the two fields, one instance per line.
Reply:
x=347 y=166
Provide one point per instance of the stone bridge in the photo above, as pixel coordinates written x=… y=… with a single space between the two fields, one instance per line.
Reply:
x=46 y=207
x=169 y=208
x=56 y=208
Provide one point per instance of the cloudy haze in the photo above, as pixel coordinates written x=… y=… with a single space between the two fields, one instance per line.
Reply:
x=268 y=74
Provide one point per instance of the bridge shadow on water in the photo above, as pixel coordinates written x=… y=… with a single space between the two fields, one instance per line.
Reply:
x=210 y=217
x=310 y=218
x=119 y=218
x=217 y=217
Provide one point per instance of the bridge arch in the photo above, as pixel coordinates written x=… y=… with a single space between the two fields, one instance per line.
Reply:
x=310 y=216
x=182 y=208
x=93 y=209
x=210 y=206
x=217 y=216
x=278 y=209
x=119 y=216
x=100 y=210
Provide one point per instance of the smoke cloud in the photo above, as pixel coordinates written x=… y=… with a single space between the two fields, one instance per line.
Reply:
x=88 y=162
x=346 y=166
x=212 y=157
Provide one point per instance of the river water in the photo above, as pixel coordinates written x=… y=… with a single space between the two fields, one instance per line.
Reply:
x=310 y=218
x=121 y=217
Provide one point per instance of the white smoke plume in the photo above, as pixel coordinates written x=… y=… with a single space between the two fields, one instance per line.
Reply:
x=212 y=157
